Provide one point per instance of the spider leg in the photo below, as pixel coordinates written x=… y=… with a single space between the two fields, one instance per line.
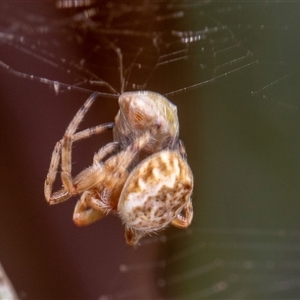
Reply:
x=92 y=131
x=104 y=151
x=132 y=236
x=181 y=149
x=128 y=155
x=59 y=196
x=66 y=156
x=111 y=179
x=48 y=185
x=95 y=173
x=184 y=218
x=83 y=214
x=63 y=194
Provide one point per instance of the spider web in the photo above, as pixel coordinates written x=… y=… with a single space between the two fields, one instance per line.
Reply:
x=232 y=69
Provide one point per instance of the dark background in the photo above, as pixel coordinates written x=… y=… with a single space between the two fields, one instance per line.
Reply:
x=243 y=147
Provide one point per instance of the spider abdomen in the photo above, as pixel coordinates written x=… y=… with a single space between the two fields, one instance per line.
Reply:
x=156 y=192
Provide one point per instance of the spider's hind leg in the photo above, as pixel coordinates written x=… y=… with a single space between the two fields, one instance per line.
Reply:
x=132 y=236
x=184 y=218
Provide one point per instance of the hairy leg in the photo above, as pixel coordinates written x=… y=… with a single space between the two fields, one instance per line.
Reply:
x=184 y=218
x=63 y=194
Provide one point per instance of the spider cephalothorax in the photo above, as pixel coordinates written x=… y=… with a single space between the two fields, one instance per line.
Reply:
x=145 y=179
x=142 y=111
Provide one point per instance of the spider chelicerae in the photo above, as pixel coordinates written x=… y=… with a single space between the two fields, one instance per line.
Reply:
x=143 y=175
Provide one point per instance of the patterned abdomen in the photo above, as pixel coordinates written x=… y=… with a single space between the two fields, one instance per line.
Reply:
x=155 y=192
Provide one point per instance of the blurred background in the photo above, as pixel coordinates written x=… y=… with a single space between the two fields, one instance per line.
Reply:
x=232 y=69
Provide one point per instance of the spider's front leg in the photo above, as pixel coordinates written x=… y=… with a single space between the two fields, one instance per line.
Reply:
x=66 y=156
x=65 y=146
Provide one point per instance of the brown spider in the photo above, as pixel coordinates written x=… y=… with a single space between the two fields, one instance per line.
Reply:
x=148 y=182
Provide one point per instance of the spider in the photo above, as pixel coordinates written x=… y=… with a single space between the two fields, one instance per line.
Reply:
x=145 y=179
